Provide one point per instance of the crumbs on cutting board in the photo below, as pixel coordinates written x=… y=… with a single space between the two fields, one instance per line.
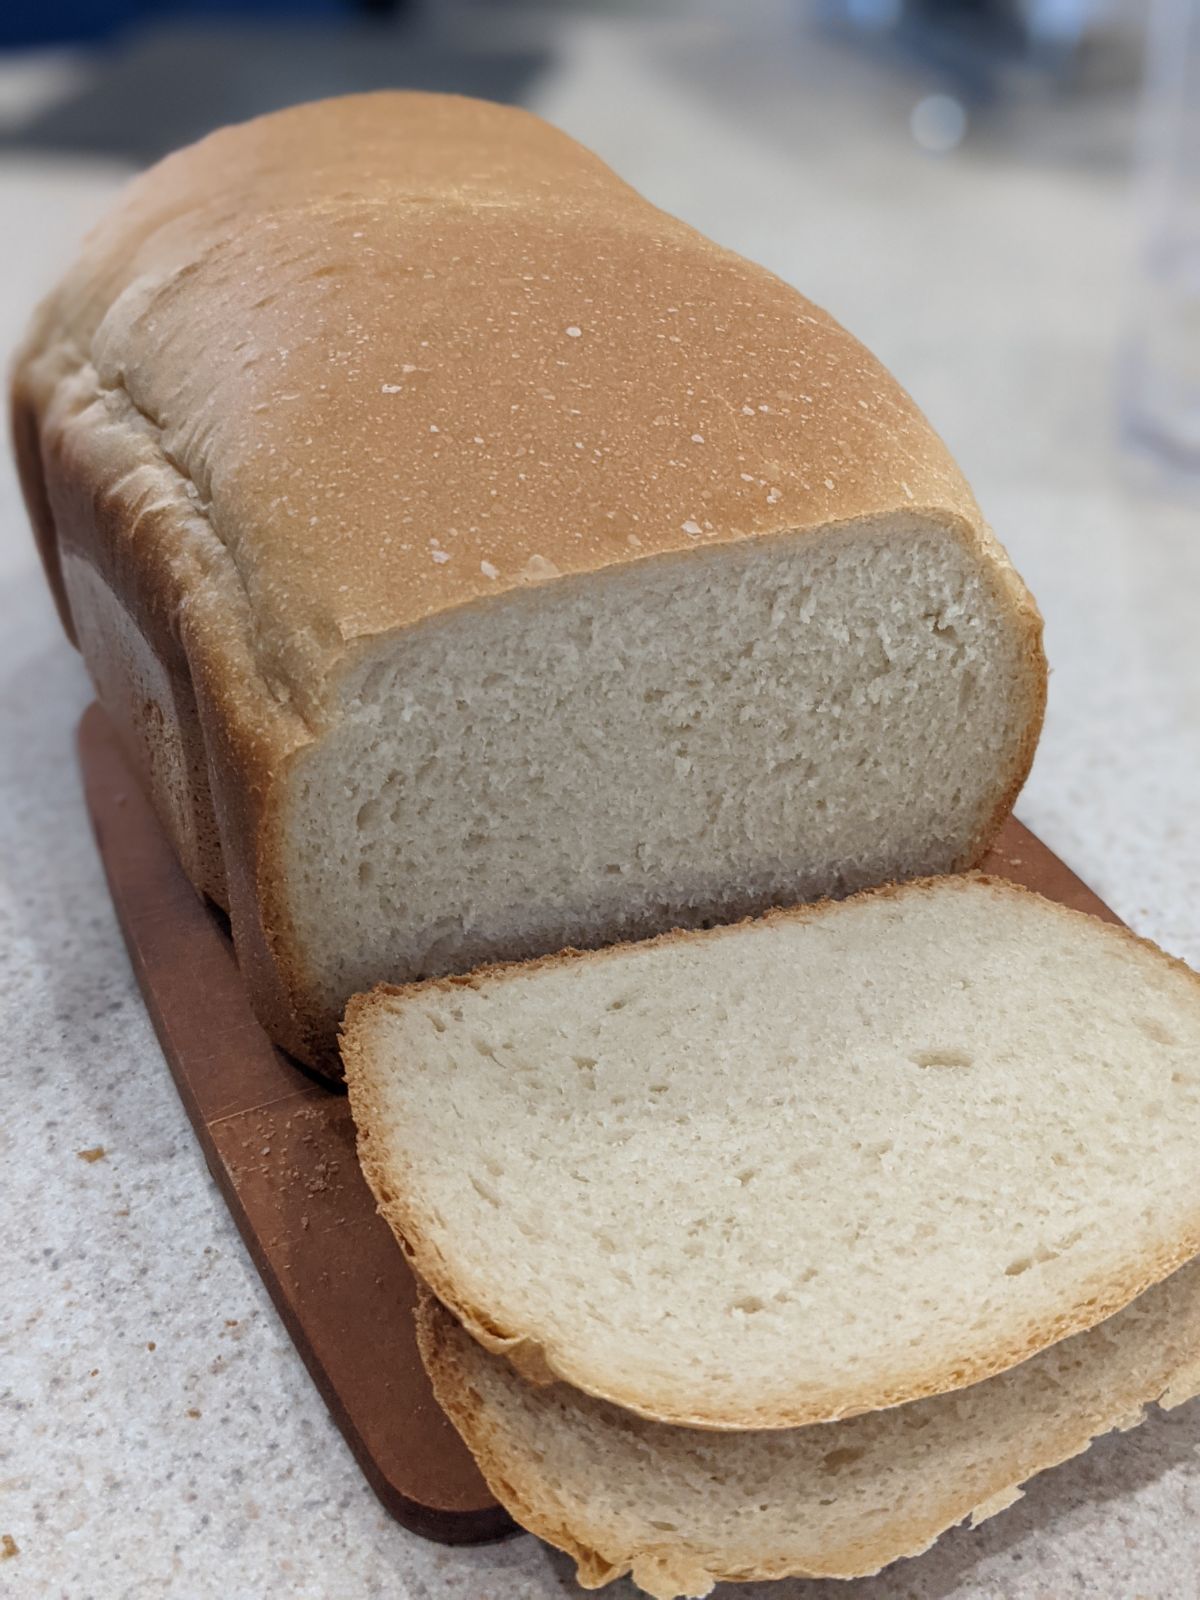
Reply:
x=96 y=1153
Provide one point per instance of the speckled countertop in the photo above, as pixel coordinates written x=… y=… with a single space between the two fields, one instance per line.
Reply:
x=158 y=1436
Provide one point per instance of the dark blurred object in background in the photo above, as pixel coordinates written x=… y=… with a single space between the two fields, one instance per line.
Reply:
x=24 y=22
x=171 y=71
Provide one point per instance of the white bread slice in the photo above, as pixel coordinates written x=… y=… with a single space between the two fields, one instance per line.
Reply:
x=779 y=1173
x=683 y=1509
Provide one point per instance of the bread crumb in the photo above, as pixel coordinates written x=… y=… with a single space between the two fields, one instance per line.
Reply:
x=573 y=332
x=8 y=1547
x=690 y=526
x=151 y=1345
x=192 y=1412
x=488 y=570
x=538 y=567
x=96 y=1153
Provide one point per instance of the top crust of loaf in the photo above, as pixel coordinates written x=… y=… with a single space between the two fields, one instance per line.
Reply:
x=1102 y=1289
x=449 y=353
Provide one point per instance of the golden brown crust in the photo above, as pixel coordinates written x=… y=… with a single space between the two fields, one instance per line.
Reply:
x=540 y=1362
x=512 y=367
x=165 y=628
x=683 y=1568
x=637 y=389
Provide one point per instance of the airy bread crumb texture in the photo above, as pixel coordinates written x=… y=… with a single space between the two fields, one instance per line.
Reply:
x=682 y=1509
x=693 y=740
x=818 y=1164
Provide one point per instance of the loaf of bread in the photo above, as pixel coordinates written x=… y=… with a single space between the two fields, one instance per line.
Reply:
x=477 y=560
x=781 y=1173
x=682 y=1509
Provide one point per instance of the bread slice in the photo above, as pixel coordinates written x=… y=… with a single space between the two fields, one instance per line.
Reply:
x=477 y=560
x=683 y=1509
x=779 y=1173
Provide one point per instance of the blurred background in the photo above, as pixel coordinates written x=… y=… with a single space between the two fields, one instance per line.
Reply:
x=1001 y=197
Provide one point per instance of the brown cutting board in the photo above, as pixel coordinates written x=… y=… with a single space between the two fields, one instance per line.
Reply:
x=280 y=1145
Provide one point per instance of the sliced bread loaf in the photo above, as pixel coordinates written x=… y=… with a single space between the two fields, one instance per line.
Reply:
x=682 y=1509
x=477 y=560
x=775 y=1174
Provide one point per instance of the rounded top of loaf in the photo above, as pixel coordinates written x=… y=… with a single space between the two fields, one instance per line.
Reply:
x=404 y=352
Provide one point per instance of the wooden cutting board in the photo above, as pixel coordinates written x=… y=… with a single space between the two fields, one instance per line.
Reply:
x=280 y=1144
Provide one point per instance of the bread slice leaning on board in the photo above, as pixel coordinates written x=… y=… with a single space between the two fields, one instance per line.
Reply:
x=476 y=560
x=682 y=1509
x=813 y=1165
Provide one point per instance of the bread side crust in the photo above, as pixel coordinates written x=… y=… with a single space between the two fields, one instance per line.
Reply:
x=666 y=1570
x=124 y=512
x=543 y=1362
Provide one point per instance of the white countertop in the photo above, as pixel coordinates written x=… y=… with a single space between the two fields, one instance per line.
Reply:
x=159 y=1436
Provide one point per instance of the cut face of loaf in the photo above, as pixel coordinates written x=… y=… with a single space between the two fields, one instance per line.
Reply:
x=780 y=1173
x=476 y=559
x=690 y=741
x=682 y=1509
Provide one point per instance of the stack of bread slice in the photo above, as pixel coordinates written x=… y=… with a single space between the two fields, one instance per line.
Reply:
x=783 y=1247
